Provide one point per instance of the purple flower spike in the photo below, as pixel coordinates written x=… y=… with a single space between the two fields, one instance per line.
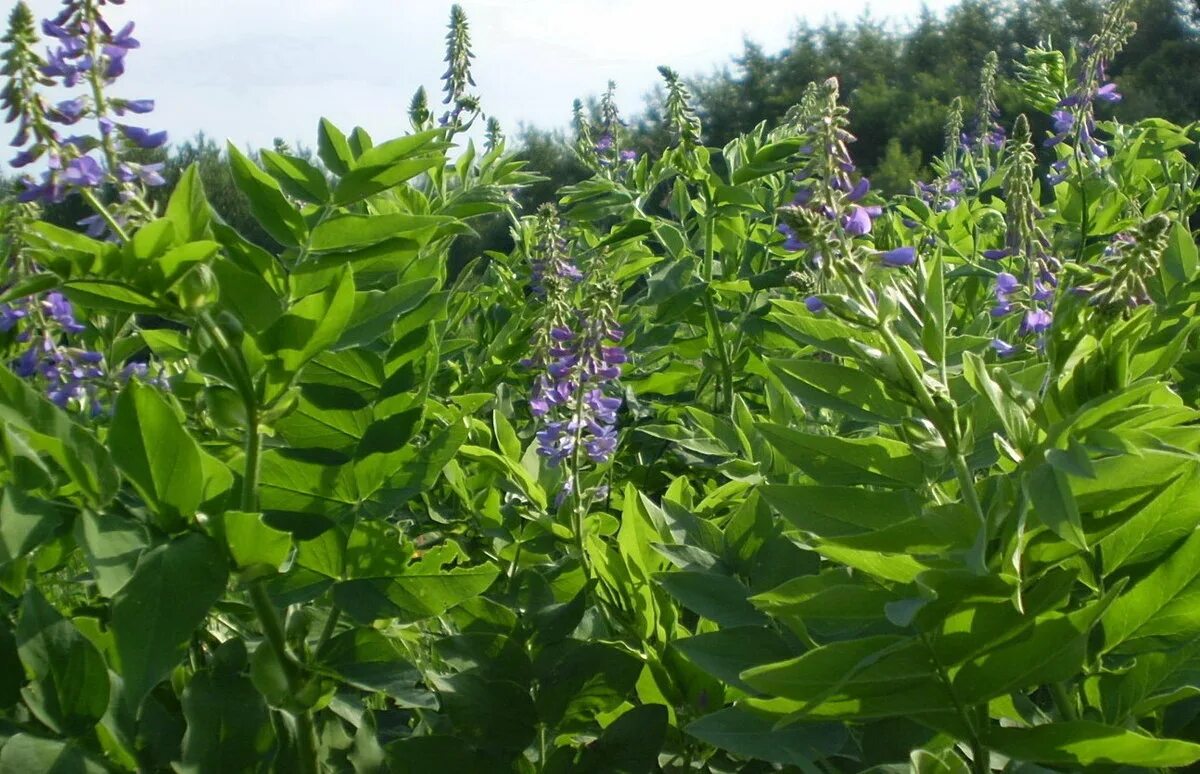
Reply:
x=901 y=256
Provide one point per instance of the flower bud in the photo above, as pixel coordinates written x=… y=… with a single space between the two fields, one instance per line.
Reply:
x=198 y=290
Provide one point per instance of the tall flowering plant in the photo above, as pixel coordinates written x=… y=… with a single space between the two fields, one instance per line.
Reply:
x=86 y=53
x=578 y=356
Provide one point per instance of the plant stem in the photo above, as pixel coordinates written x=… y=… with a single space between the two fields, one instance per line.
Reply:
x=272 y=626
x=1063 y=701
x=710 y=310
x=90 y=197
x=335 y=614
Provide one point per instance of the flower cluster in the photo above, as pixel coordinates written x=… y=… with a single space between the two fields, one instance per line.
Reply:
x=457 y=79
x=1074 y=117
x=943 y=192
x=576 y=348
x=1029 y=289
x=970 y=157
x=86 y=52
x=72 y=377
x=1119 y=278
x=987 y=135
x=829 y=210
x=602 y=152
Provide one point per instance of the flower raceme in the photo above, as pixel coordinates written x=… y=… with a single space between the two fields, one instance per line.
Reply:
x=85 y=52
x=1074 y=118
x=576 y=349
x=829 y=215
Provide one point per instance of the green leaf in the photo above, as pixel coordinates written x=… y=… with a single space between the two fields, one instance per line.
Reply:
x=1084 y=743
x=418 y=592
x=27 y=753
x=228 y=725
x=270 y=207
x=1050 y=495
x=881 y=676
x=109 y=295
x=631 y=229
x=111 y=545
x=155 y=615
x=1052 y=650
x=1180 y=259
x=152 y=448
x=436 y=752
x=364 y=181
x=69 y=687
x=346 y=232
x=292 y=481
x=1155 y=524
x=312 y=325
x=414 y=469
x=726 y=653
x=837 y=511
x=579 y=680
x=933 y=333
x=25 y=523
x=718 y=598
x=832 y=460
x=629 y=745
x=252 y=543
x=848 y=391
x=375 y=310
x=296 y=176
x=759 y=735
x=48 y=429
x=367 y=659
x=188 y=208
x=494 y=714
x=333 y=148
x=1159 y=606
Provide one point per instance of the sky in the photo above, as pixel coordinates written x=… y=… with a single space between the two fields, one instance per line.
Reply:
x=253 y=70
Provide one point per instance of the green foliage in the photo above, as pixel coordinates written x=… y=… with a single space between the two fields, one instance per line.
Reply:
x=841 y=530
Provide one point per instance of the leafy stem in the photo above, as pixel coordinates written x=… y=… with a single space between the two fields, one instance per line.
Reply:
x=269 y=620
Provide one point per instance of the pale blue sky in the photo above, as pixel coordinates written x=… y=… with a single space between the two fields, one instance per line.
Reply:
x=250 y=70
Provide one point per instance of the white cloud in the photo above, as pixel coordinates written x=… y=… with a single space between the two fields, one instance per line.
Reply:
x=251 y=70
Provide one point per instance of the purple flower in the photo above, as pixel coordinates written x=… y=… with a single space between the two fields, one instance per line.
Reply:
x=140 y=106
x=996 y=255
x=1006 y=283
x=858 y=222
x=1003 y=348
x=59 y=309
x=901 y=256
x=1108 y=93
x=629 y=155
x=69 y=111
x=143 y=138
x=860 y=189
x=1035 y=321
x=814 y=305
x=10 y=316
x=83 y=172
